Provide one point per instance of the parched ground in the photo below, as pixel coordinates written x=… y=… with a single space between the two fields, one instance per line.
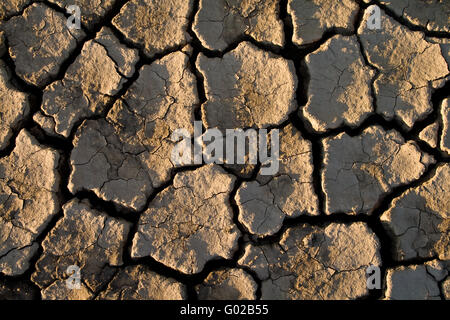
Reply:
x=87 y=179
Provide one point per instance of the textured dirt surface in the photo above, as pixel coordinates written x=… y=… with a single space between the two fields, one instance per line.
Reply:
x=28 y=202
x=220 y=23
x=83 y=236
x=408 y=66
x=124 y=157
x=315 y=263
x=419 y=219
x=247 y=87
x=140 y=283
x=415 y=282
x=229 y=284
x=39 y=42
x=339 y=89
x=359 y=170
x=266 y=202
x=90 y=194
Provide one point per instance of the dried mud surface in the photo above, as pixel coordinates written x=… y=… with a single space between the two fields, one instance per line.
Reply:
x=87 y=180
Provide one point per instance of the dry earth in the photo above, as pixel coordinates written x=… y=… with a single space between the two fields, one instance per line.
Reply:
x=86 y=177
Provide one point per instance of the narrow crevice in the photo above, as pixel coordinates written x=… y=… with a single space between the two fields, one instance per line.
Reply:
x=201 y=91
x=242 y=229
x=374 y=78
x=197 y=49
x=26 y=123
x=256 y=279
x=196 y=44
x=318 y=221
x=412 y=262
x=317 y=158
x=54 y=7
x=413 y=27
x=111 y=208
x=167 y=184
x=114 y=209
x=372 y=120
x=190 y=280
x=439 y=283
x=59 y=143
x=437 y=96
x=358 y=21
x=385 y=237
x=105 y=285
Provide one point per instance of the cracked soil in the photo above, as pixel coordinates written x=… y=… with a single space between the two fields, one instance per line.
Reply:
x=87 y=180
